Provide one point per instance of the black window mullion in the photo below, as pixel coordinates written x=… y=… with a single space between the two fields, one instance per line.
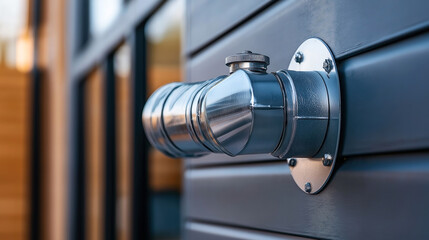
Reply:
x=36 y=125
x=76 y=192
x=140 y=164
x=83 y=23
x=36 y=165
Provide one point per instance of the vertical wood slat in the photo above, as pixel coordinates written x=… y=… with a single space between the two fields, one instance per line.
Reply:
x=54 y=132
x=94 y=156
x=123 y=138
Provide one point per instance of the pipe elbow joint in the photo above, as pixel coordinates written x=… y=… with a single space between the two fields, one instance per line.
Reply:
x=243 y=113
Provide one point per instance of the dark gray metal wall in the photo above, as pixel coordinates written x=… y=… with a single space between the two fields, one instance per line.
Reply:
x=381 y=187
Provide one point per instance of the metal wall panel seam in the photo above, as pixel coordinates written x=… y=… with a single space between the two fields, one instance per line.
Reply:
x=205 y=230
x=269 y=33
x=204 y=40
x=367 y=198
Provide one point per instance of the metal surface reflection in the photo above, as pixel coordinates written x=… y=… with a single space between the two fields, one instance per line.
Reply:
x=237 y=114
x=292 y=113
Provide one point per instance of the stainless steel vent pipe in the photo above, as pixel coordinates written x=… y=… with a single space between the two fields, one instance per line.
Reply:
x=293 y=113
x=247 y=112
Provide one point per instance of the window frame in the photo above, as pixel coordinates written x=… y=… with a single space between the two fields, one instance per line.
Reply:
x=85 y=54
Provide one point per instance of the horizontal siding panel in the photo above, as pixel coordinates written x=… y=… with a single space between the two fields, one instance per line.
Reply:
x=198 y=231
x=207 y=19
x=374 y=197
x=348 y=27
x=386 y=96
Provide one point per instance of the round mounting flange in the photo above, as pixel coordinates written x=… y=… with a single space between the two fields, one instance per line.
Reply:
x=312 y=174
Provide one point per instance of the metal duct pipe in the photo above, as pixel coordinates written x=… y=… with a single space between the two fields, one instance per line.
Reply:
x=247 y=112
x=237 y=114
x=293 y=113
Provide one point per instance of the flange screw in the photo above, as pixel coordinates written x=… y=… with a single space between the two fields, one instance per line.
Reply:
x=327 y=160
x=299 y=57
x=308 y=187
x=327 y=65
x=291 y=162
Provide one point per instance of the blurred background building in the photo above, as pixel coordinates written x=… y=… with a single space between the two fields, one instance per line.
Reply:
x=75 y=163
x=72 y=86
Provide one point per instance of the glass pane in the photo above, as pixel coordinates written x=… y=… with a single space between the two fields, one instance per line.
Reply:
x=15 y=119
x=163 y=33
x=94 y=155
x=122 y=63
x=102 y=14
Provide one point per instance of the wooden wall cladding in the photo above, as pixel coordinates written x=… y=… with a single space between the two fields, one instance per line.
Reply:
x=94 y=155
x=15 y=135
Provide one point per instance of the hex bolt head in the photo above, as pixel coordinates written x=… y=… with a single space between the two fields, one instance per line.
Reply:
x=299 y=57
x=327 y=65
x=308 y=187
x=327 y=160
x=291 y=162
